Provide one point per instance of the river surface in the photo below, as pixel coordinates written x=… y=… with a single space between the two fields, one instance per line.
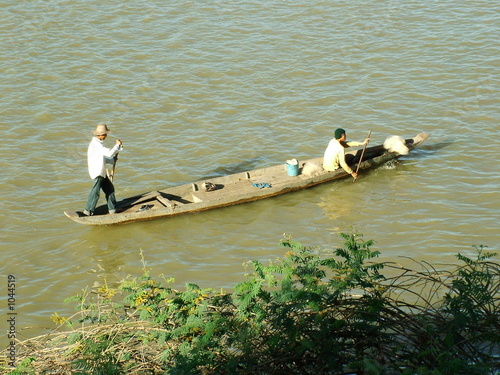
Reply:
x=203 y=88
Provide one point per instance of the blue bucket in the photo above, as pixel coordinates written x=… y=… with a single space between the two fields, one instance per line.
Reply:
x=292 y=167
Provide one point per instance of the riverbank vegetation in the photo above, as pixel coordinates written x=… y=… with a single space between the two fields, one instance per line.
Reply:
x=311 y=312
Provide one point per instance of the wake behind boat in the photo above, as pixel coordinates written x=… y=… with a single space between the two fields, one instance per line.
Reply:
x=237 y=188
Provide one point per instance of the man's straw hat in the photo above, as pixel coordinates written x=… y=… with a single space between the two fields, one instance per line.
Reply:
x=101 y=129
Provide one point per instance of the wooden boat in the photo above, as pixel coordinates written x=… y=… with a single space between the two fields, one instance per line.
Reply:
x=235 y=188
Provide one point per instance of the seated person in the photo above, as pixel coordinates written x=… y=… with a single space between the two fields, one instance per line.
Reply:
x=334 y=157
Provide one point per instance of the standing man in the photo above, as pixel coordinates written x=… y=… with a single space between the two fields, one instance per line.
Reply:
x=97 y=157
x=335 y=152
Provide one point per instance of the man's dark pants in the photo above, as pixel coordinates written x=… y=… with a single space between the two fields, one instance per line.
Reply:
x=107 y=187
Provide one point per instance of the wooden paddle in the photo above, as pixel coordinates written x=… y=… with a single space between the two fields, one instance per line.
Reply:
x=112 y=174
x=362 y=153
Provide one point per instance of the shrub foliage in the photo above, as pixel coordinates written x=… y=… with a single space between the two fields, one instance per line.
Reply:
x=307 y=313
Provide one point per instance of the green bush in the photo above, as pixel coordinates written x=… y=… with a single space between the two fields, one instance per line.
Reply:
x=307 y=313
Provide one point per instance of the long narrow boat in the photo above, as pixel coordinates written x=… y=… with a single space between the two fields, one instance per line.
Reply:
x=236 y=188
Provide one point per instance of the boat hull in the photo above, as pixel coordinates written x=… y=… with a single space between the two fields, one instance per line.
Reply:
x=234 y=189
